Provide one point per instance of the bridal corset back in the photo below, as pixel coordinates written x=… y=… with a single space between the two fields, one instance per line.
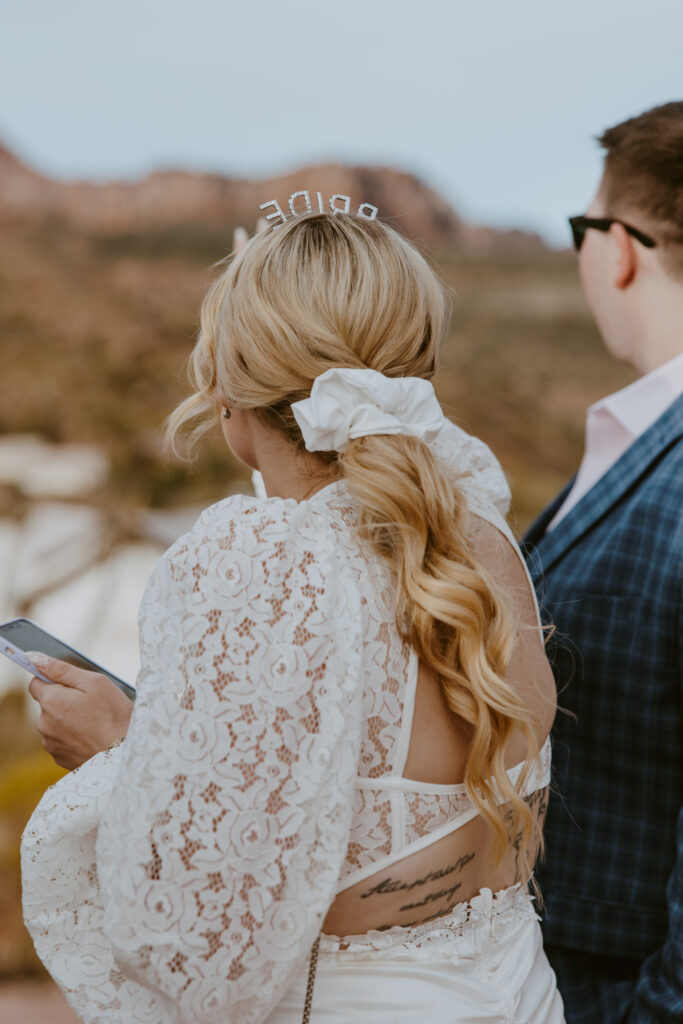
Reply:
x=184 y=876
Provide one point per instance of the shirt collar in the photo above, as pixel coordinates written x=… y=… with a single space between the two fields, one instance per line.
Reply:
x=637 y=406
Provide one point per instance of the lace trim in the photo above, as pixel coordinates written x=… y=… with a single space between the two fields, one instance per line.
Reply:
x=487 y=917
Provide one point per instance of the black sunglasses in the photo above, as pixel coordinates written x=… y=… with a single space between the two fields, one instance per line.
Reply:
x=579 y=226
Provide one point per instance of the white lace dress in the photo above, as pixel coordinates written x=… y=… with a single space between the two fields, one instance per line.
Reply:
x=183 y=877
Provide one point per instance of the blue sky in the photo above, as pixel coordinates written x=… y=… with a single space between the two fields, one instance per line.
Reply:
x=493 y=102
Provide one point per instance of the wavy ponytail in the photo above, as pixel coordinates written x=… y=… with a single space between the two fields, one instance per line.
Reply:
x=451 y=611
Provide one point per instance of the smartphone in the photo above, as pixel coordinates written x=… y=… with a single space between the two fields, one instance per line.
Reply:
x=20 y=635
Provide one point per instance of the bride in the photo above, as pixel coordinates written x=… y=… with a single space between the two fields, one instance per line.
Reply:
x=330 y=798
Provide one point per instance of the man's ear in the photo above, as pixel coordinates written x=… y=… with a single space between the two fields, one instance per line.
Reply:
x=626 y=261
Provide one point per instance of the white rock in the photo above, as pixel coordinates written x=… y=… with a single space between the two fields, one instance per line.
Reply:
x=164 y=526
x=97 y=612
x=40 y=469
x=58 y=540
x=10 y=536
x=16 y=452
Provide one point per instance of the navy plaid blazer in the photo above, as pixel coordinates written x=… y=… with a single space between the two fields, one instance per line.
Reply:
x=610 y=577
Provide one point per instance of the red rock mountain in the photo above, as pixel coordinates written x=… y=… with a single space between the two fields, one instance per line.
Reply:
x=171 y=198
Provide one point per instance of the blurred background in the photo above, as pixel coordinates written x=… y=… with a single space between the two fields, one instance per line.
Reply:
x=134 y=137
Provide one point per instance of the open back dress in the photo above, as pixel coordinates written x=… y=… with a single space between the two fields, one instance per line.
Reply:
x=183 y=877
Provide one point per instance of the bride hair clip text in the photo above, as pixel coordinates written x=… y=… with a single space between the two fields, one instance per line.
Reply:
x=337 y=204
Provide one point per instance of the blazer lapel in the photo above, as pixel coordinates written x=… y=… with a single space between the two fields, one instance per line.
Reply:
x=537 y=529
x=549 y=547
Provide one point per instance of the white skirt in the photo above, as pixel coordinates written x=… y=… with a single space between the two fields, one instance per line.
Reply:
x=482 y=964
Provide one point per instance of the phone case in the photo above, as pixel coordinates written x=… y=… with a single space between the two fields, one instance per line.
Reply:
x=18 y=656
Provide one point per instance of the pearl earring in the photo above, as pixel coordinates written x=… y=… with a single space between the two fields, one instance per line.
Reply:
x=226 y=413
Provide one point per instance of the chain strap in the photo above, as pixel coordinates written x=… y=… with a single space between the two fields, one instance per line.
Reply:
x=311 y=982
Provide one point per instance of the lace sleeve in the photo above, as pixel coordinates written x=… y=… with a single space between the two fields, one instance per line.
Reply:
x=221 y=843
x=478 y=471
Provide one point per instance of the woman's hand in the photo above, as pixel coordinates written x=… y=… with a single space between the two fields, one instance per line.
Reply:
x=81 y=712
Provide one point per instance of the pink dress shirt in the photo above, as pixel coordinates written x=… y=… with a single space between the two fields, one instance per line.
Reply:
x=615 y=422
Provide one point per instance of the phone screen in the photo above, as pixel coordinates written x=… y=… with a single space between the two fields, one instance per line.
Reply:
x=28 y=637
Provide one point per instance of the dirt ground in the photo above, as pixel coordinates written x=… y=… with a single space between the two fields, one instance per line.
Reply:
x=34 y=1002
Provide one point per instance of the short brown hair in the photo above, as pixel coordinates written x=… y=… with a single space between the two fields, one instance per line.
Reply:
x=644 y=175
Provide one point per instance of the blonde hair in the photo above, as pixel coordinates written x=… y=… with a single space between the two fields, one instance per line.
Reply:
x=327 y=291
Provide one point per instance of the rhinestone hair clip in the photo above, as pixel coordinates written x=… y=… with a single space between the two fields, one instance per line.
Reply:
x=337 y=204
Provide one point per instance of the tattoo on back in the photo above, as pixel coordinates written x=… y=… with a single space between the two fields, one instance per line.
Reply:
x=437 y=894
x=538 y=804
x=390 y=885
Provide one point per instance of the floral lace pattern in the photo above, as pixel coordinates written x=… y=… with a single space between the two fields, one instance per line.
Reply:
x=183 y=877
x=223 y=828
x=426 y=812
x=371 y=830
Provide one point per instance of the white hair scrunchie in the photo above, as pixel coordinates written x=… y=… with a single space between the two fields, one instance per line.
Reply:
x=347 y=403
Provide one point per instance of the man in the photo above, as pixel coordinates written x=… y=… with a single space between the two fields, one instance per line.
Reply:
x=607 y=559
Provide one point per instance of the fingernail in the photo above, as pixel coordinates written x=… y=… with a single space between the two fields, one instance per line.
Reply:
x=38 y=659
